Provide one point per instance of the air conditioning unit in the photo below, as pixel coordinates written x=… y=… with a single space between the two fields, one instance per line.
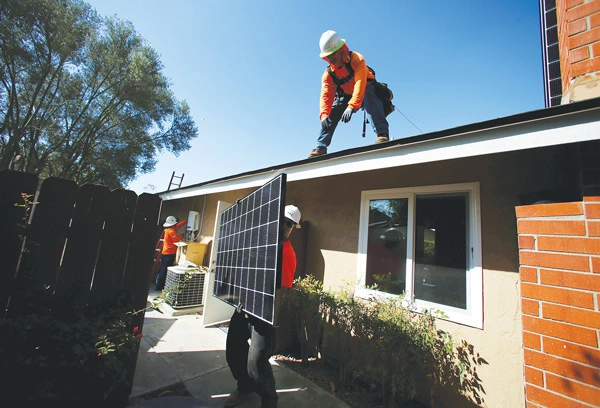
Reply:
x=184 y=286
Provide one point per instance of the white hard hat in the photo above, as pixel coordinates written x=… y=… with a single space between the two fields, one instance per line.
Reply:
x=170 y=221
x=292 y=213
x=330 y=42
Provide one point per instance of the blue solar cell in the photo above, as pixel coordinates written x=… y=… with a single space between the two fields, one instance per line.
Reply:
x=248 y=261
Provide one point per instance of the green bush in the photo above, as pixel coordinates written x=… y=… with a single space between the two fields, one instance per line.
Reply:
x=382 y=344
x=54 y=359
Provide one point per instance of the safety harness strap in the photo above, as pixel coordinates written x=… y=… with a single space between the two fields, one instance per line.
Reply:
x=339 y=82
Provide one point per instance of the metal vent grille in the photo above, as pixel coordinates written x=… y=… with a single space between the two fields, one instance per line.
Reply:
x=181 y=291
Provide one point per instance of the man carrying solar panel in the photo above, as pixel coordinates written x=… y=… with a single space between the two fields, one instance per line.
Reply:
x=249 y=364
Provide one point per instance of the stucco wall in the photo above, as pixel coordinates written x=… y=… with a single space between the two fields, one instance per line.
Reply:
x=332 y=205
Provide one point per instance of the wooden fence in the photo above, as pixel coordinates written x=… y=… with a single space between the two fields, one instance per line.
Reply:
x=74 y=247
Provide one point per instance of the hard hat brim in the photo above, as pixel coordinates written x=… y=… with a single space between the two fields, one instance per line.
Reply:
x=328 y=53
x=296 y=224
x=168 y=224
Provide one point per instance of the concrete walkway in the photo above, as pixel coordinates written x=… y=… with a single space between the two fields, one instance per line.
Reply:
x=177 y=349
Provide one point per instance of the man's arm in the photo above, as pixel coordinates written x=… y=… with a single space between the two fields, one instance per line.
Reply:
x=328 y=89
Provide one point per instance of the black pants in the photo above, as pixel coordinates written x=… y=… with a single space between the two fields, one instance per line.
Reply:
x=165 y=262
x=249 y=363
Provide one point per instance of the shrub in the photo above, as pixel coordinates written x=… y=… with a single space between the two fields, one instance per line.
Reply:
x=68 y=360
x=382 y=344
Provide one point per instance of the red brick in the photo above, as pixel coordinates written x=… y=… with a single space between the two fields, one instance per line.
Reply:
x=557 y=295
x=592 y=210
x=534 y=376
x=593 y=228
x=549 y=210
x=595 y=20
x=558 y=261
x=586 y=38
x=551 y=227
x=585 y=67
x=577 y=26
x=568 y=244
x=572 y=315
x=573 y=280
x=526 y=242
x=550 y=399
x=596 y=49
x=563 y=331
x=532 y=341
x=595 y=265
x=562 y=367
x=530 y=307
x=571 y=4
x=571 y=351
x=579 y=54
x=592 y=199
x=584 y=10
x=529 y=274
x=574 y=389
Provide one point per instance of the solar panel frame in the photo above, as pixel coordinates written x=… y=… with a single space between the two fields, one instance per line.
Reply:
x=249 y=250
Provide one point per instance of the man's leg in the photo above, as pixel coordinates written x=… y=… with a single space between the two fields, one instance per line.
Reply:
x=338 y=108
x=262 y=347
x=161 y=277
x=236 y=351
x=374 y=109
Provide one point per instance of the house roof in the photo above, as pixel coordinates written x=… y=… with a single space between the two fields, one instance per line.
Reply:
x=570 y=123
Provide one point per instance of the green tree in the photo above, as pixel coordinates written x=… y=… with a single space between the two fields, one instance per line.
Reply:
x=83 y=97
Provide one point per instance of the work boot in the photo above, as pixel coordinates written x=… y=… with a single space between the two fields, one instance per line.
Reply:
x=236 y=398
x=317 y=151
x=382 y=138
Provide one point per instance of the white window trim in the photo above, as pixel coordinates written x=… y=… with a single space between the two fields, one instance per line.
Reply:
x=473 y=314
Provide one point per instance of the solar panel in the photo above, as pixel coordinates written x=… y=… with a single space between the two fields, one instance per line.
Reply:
x=550 y=53
x=248 y=261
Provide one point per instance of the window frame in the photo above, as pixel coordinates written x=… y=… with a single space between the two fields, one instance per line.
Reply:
x=473 y=314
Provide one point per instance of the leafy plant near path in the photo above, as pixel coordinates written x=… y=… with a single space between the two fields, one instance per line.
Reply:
x=382 y=345
x=77 y=359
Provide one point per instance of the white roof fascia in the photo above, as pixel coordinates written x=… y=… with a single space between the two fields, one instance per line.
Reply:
x=557 y=130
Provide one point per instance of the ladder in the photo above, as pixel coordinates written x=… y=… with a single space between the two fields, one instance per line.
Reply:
x=171 y=183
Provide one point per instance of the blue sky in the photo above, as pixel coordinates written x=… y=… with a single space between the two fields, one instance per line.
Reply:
x=250 y=71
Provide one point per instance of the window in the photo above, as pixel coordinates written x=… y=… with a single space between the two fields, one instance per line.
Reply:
x=424 y=243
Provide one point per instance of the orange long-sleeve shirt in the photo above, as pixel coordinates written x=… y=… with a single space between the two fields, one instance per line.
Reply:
x=170 y=237
x=355 y=87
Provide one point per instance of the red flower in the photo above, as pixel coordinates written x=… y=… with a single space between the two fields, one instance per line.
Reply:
x=137 y=333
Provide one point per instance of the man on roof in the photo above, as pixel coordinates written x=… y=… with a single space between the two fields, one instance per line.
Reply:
x=346 y=86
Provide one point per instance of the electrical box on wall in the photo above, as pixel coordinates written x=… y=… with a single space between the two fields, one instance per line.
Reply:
x=193 y=226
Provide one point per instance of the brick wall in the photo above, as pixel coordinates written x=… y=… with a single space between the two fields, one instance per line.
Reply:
x=559 y=251
x=579 y=40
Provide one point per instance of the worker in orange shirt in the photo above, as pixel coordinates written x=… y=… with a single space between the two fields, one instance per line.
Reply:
x=169 y=250
x=347 y=85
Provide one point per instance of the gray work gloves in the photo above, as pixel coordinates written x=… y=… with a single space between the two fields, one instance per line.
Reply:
x=347 y=115
x=325 y=123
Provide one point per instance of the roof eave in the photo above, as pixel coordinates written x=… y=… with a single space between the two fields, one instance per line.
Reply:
x=575 y=122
